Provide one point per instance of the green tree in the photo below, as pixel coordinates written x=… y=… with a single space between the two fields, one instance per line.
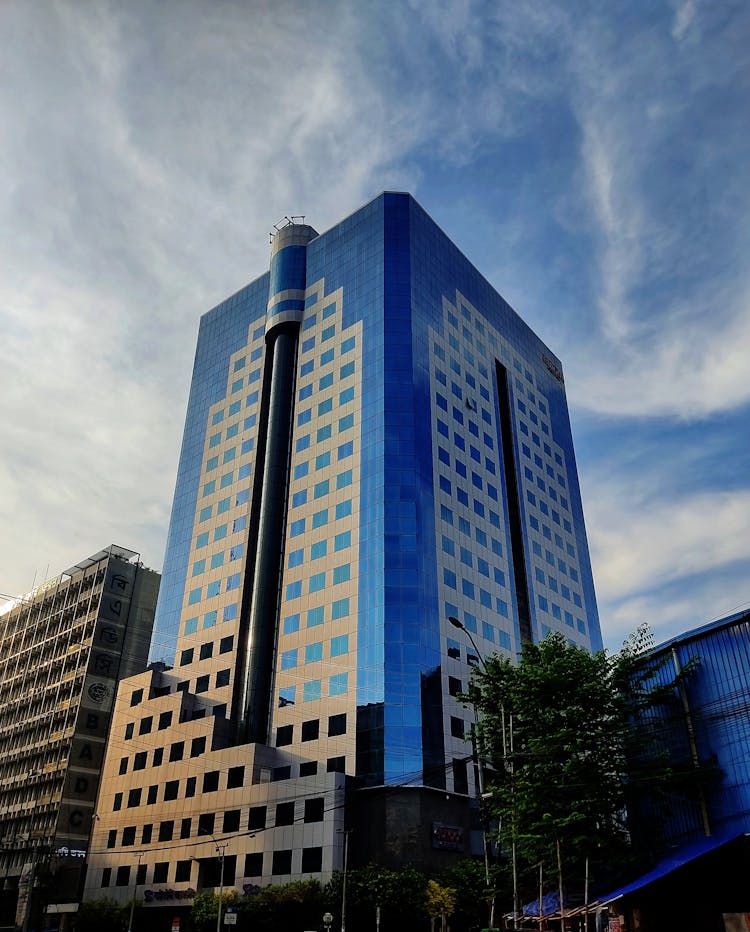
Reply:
x=439 y=901
x=291 y=906
x=398 y=893
x=95 y=915
x=206 y=907
x=467 y=878
x=559 y=729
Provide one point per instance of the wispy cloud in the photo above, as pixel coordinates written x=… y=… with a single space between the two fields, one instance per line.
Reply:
x=673 y=299
x=596 y=167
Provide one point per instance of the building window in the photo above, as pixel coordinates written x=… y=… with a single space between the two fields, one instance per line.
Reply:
x=171 y=789
x=151 y=797
x=117 y=804
x=312 y=860
x=206 y=823
x=185 y=828
x=284 y=735
x=310 y=730
x=460 y=776
x=338 y=684
x=112 y=838
x=285 y=814
x=158 y=757
x=123 y=765
x=253 y=865
x=235 y=777
x=166 y=830
x=161 y=872
x=311 y=691
x=282 y=862
x=226 y=644
x=165 y=720
x=336 y=765
x=231 y=821
x=177 y=750
x=257 y=817
x=314 y=652
x=340 y=645
x=198 y=746
x=139 y=761
x=211 y=781
x=222 y=678
x=106 y=876
x=206 y=650
x=190 y=787
x=314 y=810
x=134 y=798
x=182 y=871
x=146 y=833
x=457 y=727
x=123 y=876
x=136 y=697
x=337 y=724
x=128 y=836
x=308 y=768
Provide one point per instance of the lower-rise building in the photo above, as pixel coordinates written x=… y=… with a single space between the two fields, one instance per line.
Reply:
x=63 y=649
x=704 y=728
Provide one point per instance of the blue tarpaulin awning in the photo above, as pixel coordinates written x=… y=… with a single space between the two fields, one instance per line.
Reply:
x=671 y=863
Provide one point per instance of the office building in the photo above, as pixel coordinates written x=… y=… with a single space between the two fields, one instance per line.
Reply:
x=375 y=442
x=63 y=648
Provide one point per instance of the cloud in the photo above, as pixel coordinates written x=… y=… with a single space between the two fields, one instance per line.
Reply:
x=670 y=559
x=665 y=541
x=597 y=165
x=683 y=19
x=673 y=295
x=148 y=156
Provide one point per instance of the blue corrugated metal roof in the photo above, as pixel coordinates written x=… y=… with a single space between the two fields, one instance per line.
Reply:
x=703 y=629
x=668 y=865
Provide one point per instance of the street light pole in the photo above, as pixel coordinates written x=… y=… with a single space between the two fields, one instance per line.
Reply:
x=480 y=771
x=220 y=849
x=343 y=887
x=135 y=893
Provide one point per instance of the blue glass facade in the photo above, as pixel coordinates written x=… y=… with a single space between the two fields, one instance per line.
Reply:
x=431 y=474
x=222 y=331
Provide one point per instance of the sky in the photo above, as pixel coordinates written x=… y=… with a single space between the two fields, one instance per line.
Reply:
x=592 y=160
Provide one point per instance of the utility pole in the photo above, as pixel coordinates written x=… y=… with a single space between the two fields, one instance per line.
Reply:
x=135 y=893
x=221 y=849
x=457 y=623
x=343 y=887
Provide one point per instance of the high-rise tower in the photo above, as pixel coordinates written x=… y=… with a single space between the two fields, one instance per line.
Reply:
x=375 y=442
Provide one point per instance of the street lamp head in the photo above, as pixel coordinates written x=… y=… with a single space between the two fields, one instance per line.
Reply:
x=456 y=623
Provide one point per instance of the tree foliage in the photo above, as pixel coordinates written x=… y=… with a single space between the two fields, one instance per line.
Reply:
x=396 y=892
x=95 y=915
x=206 y=906
x=439 y=901
x=290 y=906
x=467 y=878
x=559 y=729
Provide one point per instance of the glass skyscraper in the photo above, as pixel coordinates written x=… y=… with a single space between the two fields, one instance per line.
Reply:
x=375 y=442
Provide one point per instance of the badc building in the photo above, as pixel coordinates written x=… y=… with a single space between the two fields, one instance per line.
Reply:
x=375 y=442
